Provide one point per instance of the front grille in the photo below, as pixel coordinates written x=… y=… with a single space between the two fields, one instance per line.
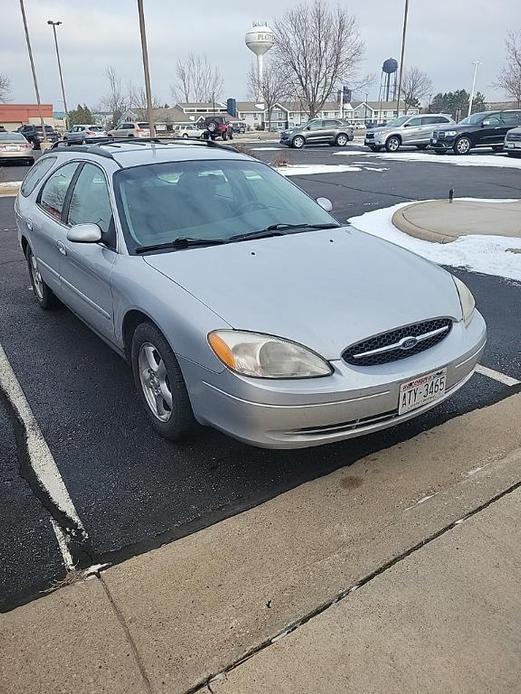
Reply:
x=384 y=348
x=514 y=137
x=439 y=134
x=369 y=136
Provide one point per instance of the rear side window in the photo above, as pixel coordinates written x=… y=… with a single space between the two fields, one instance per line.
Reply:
x=432 y=120
x=142 y=125
x=332 y=124
x=52 y=196
x=511 y=118
x=35 y=175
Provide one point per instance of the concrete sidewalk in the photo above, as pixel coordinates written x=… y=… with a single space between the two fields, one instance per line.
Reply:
x=427 y=530
x=442 y=222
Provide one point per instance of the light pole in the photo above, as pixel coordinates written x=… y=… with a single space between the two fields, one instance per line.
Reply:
x=402 y=55
x=476 y=64
x=54 y=25
x=366 y=97
x=33 y=69
x=146 y=69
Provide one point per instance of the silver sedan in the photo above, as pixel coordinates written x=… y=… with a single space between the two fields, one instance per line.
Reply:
x=239 y=301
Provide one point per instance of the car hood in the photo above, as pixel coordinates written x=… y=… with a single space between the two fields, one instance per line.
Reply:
x=325 y=289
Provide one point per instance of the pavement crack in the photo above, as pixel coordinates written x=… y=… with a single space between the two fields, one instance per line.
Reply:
x=342 y=595
x=123 y=622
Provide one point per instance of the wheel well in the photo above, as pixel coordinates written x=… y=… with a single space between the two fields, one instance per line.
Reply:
x=130 y=322
x=25 y=243
x=399 y=137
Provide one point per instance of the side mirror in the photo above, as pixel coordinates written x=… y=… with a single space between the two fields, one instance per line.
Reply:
x=84 y=233
x=325 y=204
x=407 y=125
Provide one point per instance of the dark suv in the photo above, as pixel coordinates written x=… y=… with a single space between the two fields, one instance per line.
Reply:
x=487 y=129
x=34 y=134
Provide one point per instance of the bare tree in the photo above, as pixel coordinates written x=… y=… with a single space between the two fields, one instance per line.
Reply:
x=270 y=88
x=415 y=85
x=138 y=103
x=5 y=88
x=509 y=78
x=197 y=80
x=317 y=47
x=117 y=100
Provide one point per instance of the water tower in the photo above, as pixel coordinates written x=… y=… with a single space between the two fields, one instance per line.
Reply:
x=259 y=40
x=388 y=86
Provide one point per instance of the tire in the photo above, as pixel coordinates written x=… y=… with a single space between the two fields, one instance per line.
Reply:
x=421 y=146
x=298 y=142
x=36 y=145
x=375 y=148
x=185 y=136
x=393 y=144
x=151 y=355
x=44 y=296
x=497 y=148
x=84 y=141
x=224 y=137
x=462 y=146
x=341 y=140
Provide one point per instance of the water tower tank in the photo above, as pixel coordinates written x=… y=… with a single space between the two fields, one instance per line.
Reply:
x=259 y=39
x=390 y=65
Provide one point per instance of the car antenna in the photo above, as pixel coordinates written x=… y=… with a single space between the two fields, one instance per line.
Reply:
x=451 y=195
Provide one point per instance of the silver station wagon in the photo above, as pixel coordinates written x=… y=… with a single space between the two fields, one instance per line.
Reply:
x=238 y=300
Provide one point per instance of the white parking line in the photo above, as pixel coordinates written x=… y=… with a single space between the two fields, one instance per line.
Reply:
x=497 y=376
x=41 y=458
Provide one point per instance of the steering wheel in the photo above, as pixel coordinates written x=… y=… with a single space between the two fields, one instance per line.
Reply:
x=251 y=205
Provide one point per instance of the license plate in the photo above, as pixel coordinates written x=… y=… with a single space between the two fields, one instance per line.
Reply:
x=422 y=390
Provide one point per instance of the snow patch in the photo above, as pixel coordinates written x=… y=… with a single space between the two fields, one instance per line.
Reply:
x=490 y=255
x=501 y=160
x=312 y=169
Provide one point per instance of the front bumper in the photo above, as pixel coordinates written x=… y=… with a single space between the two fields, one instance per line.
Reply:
x=351 y=402
x=443 y=144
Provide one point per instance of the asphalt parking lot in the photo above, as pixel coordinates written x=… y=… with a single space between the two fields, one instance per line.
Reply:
x=133 y=490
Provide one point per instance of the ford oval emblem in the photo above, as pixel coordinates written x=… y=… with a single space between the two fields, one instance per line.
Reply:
x=408 y=343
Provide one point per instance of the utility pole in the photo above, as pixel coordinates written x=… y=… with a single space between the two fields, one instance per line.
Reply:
x=146 y=69
x=402 y=55
x=54 y=25
x=476 y=64
x=33 y=69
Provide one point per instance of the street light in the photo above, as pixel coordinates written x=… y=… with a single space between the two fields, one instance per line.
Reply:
x=476 y=64
x=402 y=56
x=54 y=25
x=33 y=69
x=146 y=70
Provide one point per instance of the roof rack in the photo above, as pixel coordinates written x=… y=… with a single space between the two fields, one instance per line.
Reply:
x=97 y=147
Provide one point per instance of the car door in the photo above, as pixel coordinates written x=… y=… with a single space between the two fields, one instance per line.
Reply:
x=412 y=131
x=85 y=268
x=46 y=228
x=490 y=131
x=314 y=132
x=331 y=128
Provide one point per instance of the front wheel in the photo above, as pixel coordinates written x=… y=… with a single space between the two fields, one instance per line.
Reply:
x=298 y=142
x=185 y=136
x=393 y=144
x=341 y=140
x=160 y=383
x=462 y=145
x=44 y=296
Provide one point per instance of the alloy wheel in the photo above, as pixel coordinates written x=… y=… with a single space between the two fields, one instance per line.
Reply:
x=393 y=144
x=154 y=382
x=463 y=145
x=36 y=277
x=298 y=142
x=342 y=140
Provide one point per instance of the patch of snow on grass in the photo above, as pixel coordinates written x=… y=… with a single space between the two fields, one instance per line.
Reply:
x=491 y=255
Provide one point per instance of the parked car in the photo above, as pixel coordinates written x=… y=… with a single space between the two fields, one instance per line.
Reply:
x=239 y=301
x=34 y=134
x=189 y=131
x=415 y=131
x=513 y=142
x=330 y=131
x=214 y=127
x=14 y=147
x=83 y=134
x=130 y=130
x=486 y=129
x=239 y=128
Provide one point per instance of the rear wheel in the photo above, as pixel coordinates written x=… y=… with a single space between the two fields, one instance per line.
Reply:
x=462 y=145
x=160 y=383
x=341 y=140
x=44 y=296
x=298 y=142
x=393 y=143
x=185 y=136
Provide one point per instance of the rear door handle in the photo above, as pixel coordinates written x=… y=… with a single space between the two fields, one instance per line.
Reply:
x=61 y=247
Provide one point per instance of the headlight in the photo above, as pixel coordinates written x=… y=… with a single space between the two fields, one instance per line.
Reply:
x=466 y=300
x=264 y=356
x=450 y=133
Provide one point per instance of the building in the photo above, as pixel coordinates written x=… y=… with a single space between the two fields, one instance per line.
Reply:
x=363 y=112
x=285 y=114
x=12 y=116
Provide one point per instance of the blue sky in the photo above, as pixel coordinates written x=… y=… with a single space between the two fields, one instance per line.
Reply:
x=98 y=33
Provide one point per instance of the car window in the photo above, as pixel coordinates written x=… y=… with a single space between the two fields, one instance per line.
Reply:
x=493 y=120
x=142 y=125
x=35 y=175
x=316 y=125
x=90 y=201
x=125 y=126
x=12 y=137
x=431 y=120
x=414 y=122
x=52 y=195
x=511 y=118
x=331 y=124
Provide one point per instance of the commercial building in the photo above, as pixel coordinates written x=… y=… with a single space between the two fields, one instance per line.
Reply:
x=12 y=116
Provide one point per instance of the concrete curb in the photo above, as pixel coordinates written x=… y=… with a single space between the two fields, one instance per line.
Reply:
x=401 y=222
x=9 y=189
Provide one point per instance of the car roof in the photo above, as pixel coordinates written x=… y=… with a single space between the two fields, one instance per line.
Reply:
x=128 y=154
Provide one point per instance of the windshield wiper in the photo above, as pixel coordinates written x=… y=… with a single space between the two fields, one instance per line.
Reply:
x=180 y=243
x=280 y=230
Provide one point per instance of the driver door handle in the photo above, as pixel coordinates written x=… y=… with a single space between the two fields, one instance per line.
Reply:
x=61 y=247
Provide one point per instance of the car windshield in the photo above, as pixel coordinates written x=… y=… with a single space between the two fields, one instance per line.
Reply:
x=161 y=203
x=474 y=119
x=397 y=121
x=11 y=137
x=48 y=128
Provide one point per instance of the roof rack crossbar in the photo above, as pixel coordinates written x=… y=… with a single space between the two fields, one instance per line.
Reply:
x=96 y=147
